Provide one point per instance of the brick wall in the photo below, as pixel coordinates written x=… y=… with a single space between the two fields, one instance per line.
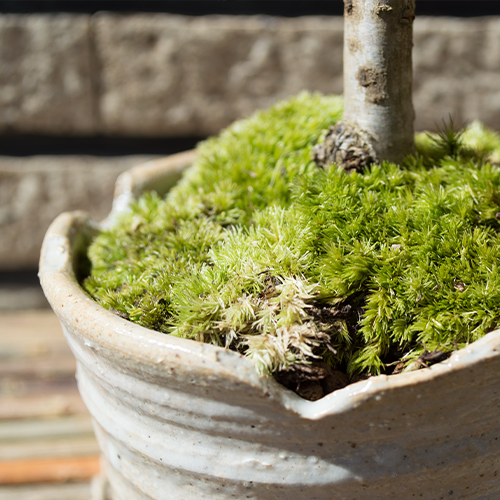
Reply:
x=159 y=74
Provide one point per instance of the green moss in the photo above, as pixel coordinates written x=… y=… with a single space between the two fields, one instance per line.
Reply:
x=258 y=250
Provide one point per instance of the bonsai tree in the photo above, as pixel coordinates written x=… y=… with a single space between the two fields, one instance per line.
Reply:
x=377 y=124
x=323 y=250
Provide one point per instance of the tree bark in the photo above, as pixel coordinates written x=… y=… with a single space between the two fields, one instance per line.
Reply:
x=378 y=113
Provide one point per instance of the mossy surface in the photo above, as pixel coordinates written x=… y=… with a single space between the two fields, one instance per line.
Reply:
x=260 y=251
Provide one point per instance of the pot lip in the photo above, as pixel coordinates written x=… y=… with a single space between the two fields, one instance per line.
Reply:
x=70 y=302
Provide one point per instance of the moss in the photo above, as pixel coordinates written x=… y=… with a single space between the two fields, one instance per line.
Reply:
x=260 y=251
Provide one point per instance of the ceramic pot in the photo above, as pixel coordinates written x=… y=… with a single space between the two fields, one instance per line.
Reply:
x=177 y=419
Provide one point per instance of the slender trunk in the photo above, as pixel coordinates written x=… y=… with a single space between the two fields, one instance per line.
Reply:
x=378 y=116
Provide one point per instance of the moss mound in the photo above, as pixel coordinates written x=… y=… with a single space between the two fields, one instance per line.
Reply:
x=301 y=268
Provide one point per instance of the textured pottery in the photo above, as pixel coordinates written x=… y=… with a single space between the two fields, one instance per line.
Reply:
x=180 y=420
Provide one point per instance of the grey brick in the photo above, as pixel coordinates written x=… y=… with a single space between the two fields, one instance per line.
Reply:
x=35 y=190
x=176 y=75
x=456 y=71
x=45 y=74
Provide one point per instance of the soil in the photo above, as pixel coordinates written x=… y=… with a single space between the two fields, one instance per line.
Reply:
x=312 y=381
x=317 y=379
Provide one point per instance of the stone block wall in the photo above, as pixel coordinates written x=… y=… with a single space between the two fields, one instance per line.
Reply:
x=160 y=75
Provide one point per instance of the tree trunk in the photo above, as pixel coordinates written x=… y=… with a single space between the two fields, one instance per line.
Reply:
x=378 y=115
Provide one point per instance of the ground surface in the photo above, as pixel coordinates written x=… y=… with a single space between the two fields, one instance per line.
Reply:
x=47 y=447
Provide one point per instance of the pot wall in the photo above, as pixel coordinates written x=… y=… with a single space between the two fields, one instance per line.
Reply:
x=177 y=419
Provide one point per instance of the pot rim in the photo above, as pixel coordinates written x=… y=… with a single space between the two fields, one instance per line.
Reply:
x=66 y=240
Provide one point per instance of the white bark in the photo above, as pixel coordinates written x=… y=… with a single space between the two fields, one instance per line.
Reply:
x=378 y=74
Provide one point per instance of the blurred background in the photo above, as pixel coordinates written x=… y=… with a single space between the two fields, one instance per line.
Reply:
x=89 y=89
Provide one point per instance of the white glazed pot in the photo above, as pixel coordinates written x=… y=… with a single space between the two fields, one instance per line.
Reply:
x=181 y=420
